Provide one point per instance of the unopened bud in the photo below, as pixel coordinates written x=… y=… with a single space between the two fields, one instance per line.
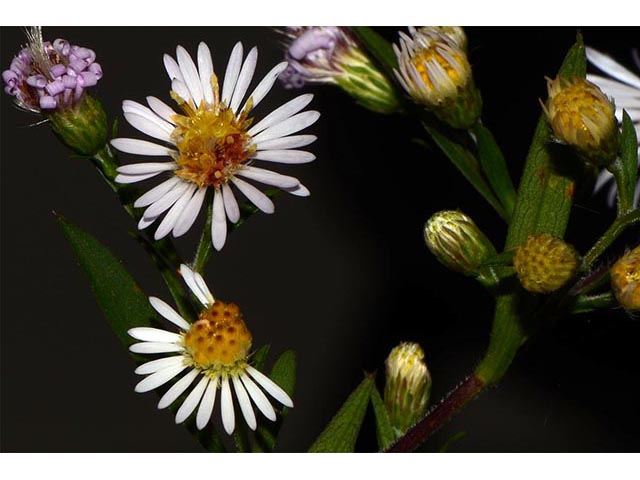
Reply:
x=625 y=280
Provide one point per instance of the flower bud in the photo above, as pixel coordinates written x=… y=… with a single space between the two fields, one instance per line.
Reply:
x=331 y=55
x=457 y=242
x=545 y=263
x=407 y=387
x=435 y=72
x=456 y=34
x=625 y=280
x=582 y=116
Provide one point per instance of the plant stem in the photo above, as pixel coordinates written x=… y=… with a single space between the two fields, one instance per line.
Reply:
x=587 y=303
x=614 y=231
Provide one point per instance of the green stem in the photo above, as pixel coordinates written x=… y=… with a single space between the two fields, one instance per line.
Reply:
x=614 y=231
x=587 y=303
x=205 y=247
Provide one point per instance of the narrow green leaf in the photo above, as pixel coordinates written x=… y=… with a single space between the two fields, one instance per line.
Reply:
x=495 y=168
x=451 y=440
x=342 y=432
x=260 y=356
x=625 y=168
x=384 y=430
x=378 y=47
x=464 y=161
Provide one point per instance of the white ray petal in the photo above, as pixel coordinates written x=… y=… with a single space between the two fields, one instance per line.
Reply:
x=178 y=389
x=161 y=109
x=230 y=204
x=155 y=347
x=282 y=143
x=272 y=389
x=190 y=74
x=156 y=192
x=141 y=147
x=268 y=177
x=191 y=279
x=190 y=213
x=145 y=222
x=610 y=66
x=146 y=167
x=290 y=125
x=191 y=402
x=159 y=364
x=172 y=68
x=147 y=127
x=254 y=195
x=244 y=79
x=205 y=70
x=218 y=221
x=182 y=90
x=266 y=84
x=226 y=407
x=611 y=196
x=129 y=106
x=206 y=405
x=202 y=285
x=169 y=313
x=299 y=191
x=231 y=73
x=285 y=156
x=167 y=200
x=603 y=178
x=123 y=178
x=172 y=217
x=158 y=378
x=150 y=334
x=244 y=402
x=258 y=397
x=282 y=113
x=614 y=88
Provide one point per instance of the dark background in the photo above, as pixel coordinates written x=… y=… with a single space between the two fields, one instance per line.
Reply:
x=341 y=276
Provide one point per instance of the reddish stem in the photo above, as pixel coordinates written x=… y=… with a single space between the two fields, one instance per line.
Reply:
x=438 y=416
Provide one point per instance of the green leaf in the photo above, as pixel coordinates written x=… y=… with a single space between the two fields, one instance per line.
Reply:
x=260 y=356
x=464 y=161
x=451 y=440
x=378 y=47
x=384 y=431
x=342 y=432
x=625 y=168
x=495 y=168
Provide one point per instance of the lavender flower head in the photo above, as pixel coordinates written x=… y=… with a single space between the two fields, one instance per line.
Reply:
x=47 y=76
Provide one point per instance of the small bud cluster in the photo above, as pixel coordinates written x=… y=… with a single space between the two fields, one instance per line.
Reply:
x=47 y=76
x=625 y=280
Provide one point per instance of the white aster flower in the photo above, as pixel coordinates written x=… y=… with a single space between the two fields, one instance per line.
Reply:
x=214 y=350
x=624 y=86
x=212 y=143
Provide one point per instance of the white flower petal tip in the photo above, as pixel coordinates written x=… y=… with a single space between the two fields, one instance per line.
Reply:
x=197 y=285
x=299 y=191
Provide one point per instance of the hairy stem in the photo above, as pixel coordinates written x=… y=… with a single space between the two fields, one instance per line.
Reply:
x=615 y=230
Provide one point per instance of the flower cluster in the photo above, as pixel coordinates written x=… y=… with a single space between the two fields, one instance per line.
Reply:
x=46 y=76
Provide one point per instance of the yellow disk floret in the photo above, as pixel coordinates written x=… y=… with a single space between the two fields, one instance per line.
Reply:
x=219 y=338
x=625 y=280
x=545 y=263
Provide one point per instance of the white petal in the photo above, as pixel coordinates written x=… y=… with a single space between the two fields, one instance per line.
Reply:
x=166 y=201
x=141 y=147
x=254 y=195
x=172 y=217
x=181 y=89
x=244 y=79
x=230 y=204
x=205 y=70
x=169 y=313
x=162 y=109
x=147 y=167
x=266 y=84
x=155 y=347
x=281 y=113
x=191 y=279
x=129 y=106
x=191 y=402
x=190 y=213
x=158 y=378
x=173 y=70
x=157 y=192
x=226 y=407
x=218 y=221
x=244 y=402
x=258 y=398
x=614 y=88
x=272 y=389
x=299 y=191
x=206 y=406
x=611 y=67
x=203 y=287
x=190 y=74
x=611 y=196
x=603 y=178
x=268 y=177
x=285 y=156
x=149 y=334
x=159 y=364
x=178 y=389
x=146 y=221
x=282 y=143
x=122 y=178
x=147 y=127
x=290 y=125
x=231 y=73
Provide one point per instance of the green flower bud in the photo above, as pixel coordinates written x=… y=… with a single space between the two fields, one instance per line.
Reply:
x=625 y=280
x=457 y=242
x=407 y=387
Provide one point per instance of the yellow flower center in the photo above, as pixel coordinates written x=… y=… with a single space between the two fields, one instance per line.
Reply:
x=625 y=280
x=219 y=338
x=422 y=58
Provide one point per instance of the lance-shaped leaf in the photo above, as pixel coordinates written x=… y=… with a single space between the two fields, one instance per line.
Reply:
x=342 y=432
x=384 y=430
x=625 y=168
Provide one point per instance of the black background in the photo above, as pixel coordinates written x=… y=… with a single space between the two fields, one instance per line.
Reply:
x=341 y=276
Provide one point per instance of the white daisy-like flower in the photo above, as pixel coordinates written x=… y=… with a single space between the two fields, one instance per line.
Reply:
x=624 y=86
x=213 y=142
x=214 y=350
